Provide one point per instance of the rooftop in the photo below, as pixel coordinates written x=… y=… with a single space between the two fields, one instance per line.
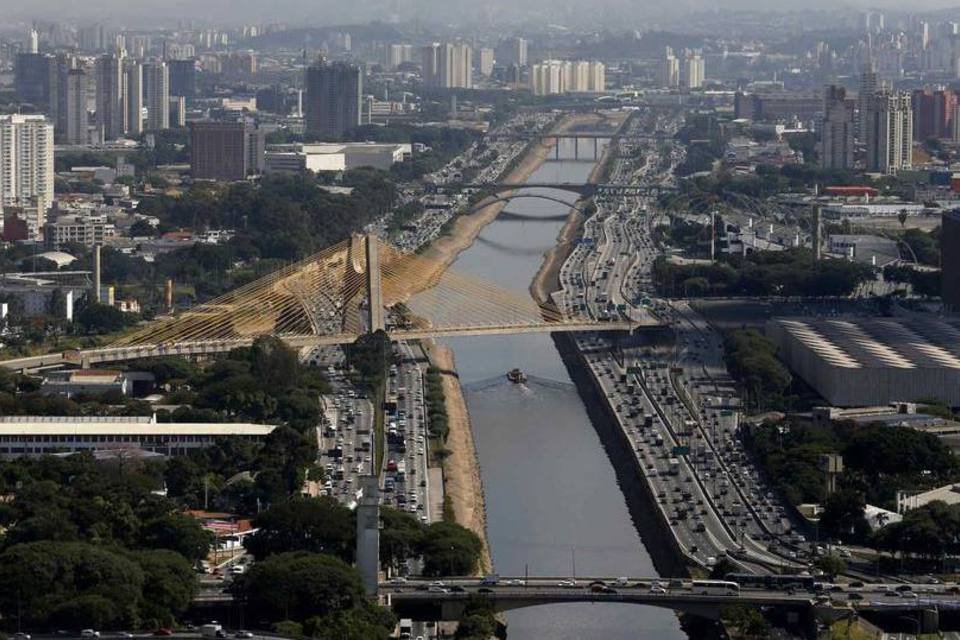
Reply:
x=899 y=343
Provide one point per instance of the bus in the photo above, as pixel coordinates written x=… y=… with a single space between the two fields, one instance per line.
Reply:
x=406 y=627
x=772 y=582
x=715 y=588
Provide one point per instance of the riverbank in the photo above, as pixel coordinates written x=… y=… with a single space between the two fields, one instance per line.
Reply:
x=462 y=484
x=547 y=279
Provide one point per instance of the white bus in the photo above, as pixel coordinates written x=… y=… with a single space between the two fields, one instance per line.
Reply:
x=715 y=588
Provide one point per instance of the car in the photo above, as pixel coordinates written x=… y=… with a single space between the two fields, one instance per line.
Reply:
x=658 y=590
x=435 y=589
x=904 y=587
x=568 y=584
x=457 y=589
x=125 y=634
x=398 y=580
x=243 y=634
x=164 y=631
x=484 y=590
x=89 y=633
x=854 y=596
x=21 y=636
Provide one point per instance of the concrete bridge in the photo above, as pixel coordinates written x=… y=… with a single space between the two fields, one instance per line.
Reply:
x=584 y=190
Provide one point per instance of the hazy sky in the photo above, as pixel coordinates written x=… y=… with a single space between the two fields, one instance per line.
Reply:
x=325 y=12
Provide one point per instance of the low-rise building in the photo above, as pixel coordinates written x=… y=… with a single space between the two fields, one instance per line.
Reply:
x=85 y=230
x=334 y=156
x=43 y=435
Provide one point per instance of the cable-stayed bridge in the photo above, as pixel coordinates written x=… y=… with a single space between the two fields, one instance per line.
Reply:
x=358 y=286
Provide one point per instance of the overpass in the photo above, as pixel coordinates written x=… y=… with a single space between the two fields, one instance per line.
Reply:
x=584 y=190
x=356 y=287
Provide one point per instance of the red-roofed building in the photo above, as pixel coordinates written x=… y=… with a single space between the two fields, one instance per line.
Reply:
x=851 y=191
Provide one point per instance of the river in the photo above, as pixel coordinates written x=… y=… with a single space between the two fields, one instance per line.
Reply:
x=553 y=503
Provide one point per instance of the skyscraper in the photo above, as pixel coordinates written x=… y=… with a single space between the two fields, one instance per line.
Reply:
x=31 y=78
x=669 y=70
x=26 y=165
x=889 y=130
x=133 y=97
x=933 y=113
x=156 y=77
x=110 y=111
x=333 y=99
x=183 y=78
x=692 y=69
x=512 y=51
x=225 y=150
x=836 y=135
x=867 y=88
x=72 y=122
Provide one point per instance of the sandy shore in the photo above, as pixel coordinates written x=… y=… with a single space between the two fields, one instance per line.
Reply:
x=461 y=470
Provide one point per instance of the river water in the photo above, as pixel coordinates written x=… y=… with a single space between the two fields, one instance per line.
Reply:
x=554 y=507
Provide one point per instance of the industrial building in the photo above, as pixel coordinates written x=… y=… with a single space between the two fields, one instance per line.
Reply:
x=334 y=156
x=41 y=435
x=854 y=362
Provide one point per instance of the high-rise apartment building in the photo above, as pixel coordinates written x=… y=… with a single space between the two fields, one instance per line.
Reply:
x=26 y=166
x=889 y=131
x=133 y=97
x=334 y=92
x=225 y=150
x=512 y=51
x=110 y=98
x=485 y=62
x=692 y=69
x=933 y=113
x=567 y=76
x=447 y=65
x=669 y=70
x=156 y=78
x=837 y=131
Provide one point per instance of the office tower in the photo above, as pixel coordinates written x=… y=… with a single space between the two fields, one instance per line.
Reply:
x=333 y=99
x=183 y=78
x=866 y=89
x=950 y=260
x=692 y=69
x=512 y=51
x=26 y=166
x=110 y=111
x=836 y=134
x=33 y=41
x=447 y=65
x=669 y=70
x=156 y=80
x=889 y=129
x=933 y=113
x=32 y=78
x=485 y=62
x=133 y=97
x=225 y=150
x=72 y=122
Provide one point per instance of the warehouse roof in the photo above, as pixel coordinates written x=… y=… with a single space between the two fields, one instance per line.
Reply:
x=899 y=343
x=133 y=427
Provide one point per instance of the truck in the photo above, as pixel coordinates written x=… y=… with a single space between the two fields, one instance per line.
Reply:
x=406 y=627
x=674 y=466
x=212 y=630
x=490 y=579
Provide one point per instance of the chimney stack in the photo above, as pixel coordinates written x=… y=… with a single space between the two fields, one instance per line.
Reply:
x=96 y=273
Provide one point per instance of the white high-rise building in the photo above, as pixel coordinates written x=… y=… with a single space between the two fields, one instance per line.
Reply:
x=33 y=41
x=447 y=65
x=692 y=69
x=26 y=166
x=567 y=76
x=669 y=70
x=485 y=62
x=133 y=98
x=889 y=132
x=156 y=76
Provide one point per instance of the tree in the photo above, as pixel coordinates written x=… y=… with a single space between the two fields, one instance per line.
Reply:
x=843 y=515
x=318 y=525
x=449 y=549
x=831 y=564
x=102 y=318
x=749 y=621
x=300 y=586
x=178 y=532
x=66 y=583
x=169 y=586
x=401 y=536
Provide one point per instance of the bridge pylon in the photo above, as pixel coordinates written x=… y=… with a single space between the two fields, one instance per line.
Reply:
x=374 y=294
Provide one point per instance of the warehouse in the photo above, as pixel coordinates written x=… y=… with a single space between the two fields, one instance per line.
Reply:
x=855 y=362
